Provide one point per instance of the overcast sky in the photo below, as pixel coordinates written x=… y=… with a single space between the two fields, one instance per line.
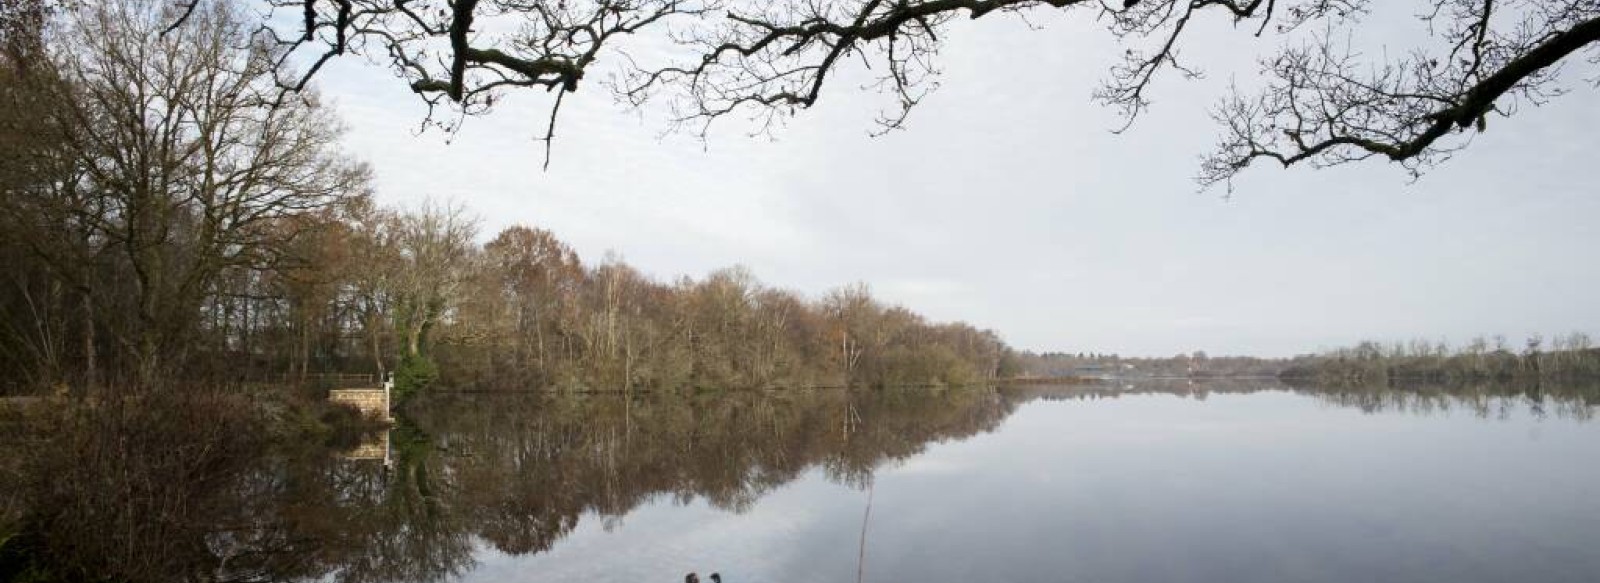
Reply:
x=1009 y=204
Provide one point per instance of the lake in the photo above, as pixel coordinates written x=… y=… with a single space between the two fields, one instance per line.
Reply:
x=1225 y=481
x=1215 y=482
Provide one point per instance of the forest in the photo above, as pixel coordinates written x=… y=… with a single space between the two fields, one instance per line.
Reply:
x=170 y=216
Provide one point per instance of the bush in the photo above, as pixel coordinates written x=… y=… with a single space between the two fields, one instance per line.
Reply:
x=414 y=375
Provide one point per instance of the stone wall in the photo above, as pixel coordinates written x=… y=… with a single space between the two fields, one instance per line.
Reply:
x=368 y=401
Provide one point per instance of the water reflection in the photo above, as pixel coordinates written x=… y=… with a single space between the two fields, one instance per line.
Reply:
x=518 y=473
x=1577 y=402
x=471 y=485
x=523 y=472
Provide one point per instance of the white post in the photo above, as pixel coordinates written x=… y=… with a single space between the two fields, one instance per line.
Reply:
x=388 y=387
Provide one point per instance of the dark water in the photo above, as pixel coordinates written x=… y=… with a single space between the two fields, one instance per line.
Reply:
x=1218 y=483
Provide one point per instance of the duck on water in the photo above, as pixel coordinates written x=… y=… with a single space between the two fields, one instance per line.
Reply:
x=693 y=578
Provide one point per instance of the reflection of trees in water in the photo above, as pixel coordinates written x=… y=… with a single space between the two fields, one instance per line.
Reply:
x=317 y=516
x=524 y=472
x=1484 y=400
x=409 y=531
x=519 y=472
x=1572 y=401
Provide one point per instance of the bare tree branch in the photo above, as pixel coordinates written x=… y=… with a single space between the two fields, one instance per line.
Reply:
x=1322 y=102
x=1325 y=106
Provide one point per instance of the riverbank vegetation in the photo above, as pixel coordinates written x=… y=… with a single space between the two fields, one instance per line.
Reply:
x=1565 y=358
x=169 y=215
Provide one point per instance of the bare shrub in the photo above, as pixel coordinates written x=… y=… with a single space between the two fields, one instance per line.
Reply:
x=126 y=489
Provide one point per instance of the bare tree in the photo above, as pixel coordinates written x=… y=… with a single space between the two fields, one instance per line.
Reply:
x=187 y=172
x=462 y=52
x=1323 y=102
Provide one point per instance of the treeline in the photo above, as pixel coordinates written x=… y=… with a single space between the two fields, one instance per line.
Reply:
x=1197 y=364
x=168 y=212
x=1570 y=357
x=523 y=311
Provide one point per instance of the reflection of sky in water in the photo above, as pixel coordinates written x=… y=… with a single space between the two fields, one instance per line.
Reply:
x=1269 y=487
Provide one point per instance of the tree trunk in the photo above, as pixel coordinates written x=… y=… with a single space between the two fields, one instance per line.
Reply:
x=90 y=357
x=376 y=342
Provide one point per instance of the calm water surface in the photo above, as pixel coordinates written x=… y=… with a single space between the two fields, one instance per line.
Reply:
x=1221 y=483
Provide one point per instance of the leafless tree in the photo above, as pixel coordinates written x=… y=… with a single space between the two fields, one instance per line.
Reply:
x=1323 y=102
x=183 y=169
x=462 y=52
